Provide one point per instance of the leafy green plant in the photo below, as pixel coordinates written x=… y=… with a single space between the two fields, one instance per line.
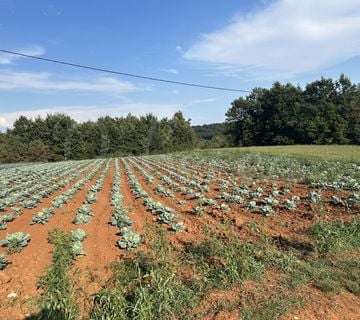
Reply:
x=15 y=242
x=352 y=200
x=335 y=200
x=3 y=261
x=120 y=220
x=224 y=207
x=198 y=210
x=85 y=209
x=130 y=240
x=252 y=206
x=82 y=219
x=208 y=201
x=83 y=215
x=17 y=211
x=78 y=235
x=266 y=210
x=91 y=197
x=43 y=216
x=2 y=223
x=77 y=248
x=29 y=204
x=336 y=236
x=167 y=217
x=289 y=204
x=314 y=197
x=178 y=227
x=57 y=298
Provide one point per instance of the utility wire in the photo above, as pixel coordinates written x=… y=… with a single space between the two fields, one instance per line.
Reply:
x=121 y=73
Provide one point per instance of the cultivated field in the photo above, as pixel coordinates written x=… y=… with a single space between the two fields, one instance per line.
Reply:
x=200 y=235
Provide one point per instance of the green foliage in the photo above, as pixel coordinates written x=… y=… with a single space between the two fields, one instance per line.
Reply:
x=322 y=113
x=3 y=261
x=57 y=298
x=15 y=242
x=130 y=239
x=336 y=237
x=78 y=235
x=58 y=137
x=226 y=261
x=270 y=307
x=145 y=287
x=43 y=216
x=212 y=135
x=179 y=227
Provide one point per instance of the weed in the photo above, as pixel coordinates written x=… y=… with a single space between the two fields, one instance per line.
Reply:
x=57 y=299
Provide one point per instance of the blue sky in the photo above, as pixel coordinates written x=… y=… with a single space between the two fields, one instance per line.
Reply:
x=232 y=43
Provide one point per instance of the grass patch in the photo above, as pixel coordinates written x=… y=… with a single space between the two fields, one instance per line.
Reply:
x=259 y=306
x=336 y=237
x=146 y=286
x=343 y=153
x=57 y=299
x=225 y=260
x=331 y=267
x=166 y=283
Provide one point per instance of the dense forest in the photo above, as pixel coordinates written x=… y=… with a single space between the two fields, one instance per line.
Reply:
x=212 y=135
x=325 y=112
x=59 y=137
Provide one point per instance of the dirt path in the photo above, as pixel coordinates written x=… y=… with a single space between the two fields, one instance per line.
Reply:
x=137 y=211
x=94 y=269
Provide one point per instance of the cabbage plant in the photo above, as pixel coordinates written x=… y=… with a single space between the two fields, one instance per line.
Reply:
x=91 y=197
x=314 y=197
x=353 y=199
x=3 y=225
x=3 y=261
x=167 y=217
x=336 y=200
x=179 y=227
x=43 y=216
x=78 y=235
x=15 y=241
x=130 y=240
x=267 y=210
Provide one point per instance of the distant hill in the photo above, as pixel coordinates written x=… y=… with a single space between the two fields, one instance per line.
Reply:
x=208 y=131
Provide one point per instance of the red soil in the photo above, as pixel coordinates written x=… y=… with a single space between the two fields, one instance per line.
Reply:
x=28 y=264
x=100 y=244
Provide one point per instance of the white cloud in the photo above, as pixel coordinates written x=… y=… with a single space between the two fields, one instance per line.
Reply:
x=200 y=101
x=4 y=123
x=173 y=71
x=92 y=112
x=46 y=81
x=285 y=38
x=7 y=58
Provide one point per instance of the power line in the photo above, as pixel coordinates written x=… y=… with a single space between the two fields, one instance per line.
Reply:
x=121 y=73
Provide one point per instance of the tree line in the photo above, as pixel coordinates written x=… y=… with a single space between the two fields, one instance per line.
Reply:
x=59 y=137
x=324 y=112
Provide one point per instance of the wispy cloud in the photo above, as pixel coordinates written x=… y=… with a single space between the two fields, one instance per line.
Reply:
x=199 y=101
x=83 y=113
x=285 y=38
x=172 y=71
x=48 y=82
x=7 y=58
